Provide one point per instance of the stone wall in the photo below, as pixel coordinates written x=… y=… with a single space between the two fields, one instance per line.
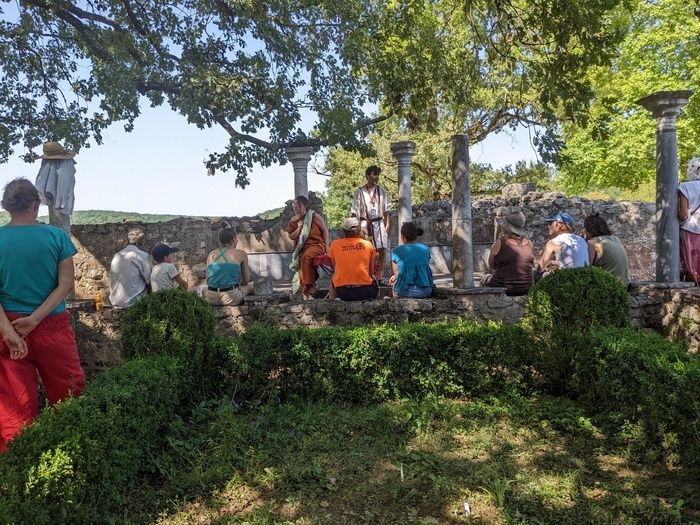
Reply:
x=270 y=248
x=671 y=309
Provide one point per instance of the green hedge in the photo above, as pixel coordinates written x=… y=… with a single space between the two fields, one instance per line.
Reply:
x=564 y=305
x=77 y=462
x=379 y=362
x=646 y=388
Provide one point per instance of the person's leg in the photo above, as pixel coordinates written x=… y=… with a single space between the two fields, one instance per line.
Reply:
x=381 y=262
x=56 y=355
x=19 y=394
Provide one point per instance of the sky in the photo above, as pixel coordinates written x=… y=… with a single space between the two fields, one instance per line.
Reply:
x=159 y=168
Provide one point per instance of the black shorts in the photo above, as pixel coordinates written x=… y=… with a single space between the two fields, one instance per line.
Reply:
x=358 y=293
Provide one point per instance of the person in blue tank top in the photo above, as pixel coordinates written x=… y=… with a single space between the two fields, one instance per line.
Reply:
x=36 y=338
x=410 y=264
x=228 y=273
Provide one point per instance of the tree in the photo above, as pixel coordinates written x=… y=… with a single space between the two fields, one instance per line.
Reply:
x=254 y=68
x=69 y=70
x=616 y=147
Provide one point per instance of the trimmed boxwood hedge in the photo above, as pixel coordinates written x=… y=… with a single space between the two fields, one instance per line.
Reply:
x=379 y=362
x=78 y=461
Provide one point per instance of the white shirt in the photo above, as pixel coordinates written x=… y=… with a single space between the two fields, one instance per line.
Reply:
x=574 y=250
x=691 y=190
x=163 y=276
x=129 y=273
x=370 y=204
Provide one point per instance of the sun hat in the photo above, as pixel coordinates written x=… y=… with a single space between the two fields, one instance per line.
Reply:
x=561 y=217
x=351 y=223
x=513 y=223
x=53 y=150
x=161 y=251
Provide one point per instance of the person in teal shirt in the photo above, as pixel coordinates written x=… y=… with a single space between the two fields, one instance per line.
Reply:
x=410 y=263
x=36 y=275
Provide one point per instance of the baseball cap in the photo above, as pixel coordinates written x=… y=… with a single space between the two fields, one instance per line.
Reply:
x=351 y=223
x=161 y=251
x=561 y=217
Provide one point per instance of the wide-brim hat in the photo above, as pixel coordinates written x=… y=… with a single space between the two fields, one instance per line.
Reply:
x=54 y=151
x=513 y=223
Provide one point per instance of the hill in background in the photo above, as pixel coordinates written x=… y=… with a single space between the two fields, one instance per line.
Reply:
x=107 y=216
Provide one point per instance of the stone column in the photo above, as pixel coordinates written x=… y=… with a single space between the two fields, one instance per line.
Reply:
x=300 y=157
x=403 y=153
x=666 y=106
x=462 y=252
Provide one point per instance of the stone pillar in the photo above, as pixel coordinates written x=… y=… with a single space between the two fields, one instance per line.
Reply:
x=300 y=157
x=403 y=153
x=462 y=252
x=666 y=106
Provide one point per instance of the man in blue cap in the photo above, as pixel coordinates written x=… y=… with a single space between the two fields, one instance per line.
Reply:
x=565 y=249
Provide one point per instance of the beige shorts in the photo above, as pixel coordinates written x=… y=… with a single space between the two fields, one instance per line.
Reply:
x=230 y=298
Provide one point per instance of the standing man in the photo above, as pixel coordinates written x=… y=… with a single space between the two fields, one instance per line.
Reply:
x=371 y=204
x=130 y=272
x=56 y=182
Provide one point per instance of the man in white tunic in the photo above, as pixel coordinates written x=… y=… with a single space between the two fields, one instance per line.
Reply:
x=130 y=272
x=371 y=204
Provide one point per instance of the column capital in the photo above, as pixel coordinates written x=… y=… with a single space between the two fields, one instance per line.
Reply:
x=403 y=150
x=666 y=106
x=303 y=153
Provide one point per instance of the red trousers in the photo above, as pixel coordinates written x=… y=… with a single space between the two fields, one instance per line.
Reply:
x=53 y=353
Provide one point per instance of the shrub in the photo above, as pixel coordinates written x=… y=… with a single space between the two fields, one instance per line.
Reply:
x=646 y=388
x=172 y=322
x=177 y=323
x=78 y=462
x=376 y=363
x=564 y=305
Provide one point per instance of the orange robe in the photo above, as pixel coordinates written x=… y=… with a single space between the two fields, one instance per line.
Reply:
x=314 y=245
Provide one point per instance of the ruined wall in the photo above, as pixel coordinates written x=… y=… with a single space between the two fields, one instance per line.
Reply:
x=270 y=249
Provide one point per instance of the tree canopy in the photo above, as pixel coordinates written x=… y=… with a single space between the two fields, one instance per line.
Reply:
x=616 y=147
x=257 y=69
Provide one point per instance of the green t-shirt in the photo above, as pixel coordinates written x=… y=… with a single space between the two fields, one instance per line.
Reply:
x=29 y=258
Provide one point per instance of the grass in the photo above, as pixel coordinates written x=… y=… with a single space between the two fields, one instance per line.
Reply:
x=517 y=461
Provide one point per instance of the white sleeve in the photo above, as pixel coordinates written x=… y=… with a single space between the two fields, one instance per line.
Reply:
x=387 y=200
x=144 y=265
x=173 y=271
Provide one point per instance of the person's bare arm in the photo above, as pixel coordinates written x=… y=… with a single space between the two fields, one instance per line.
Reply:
x=495 y=248
x=387 y=222
x=245 y=270
x=15 y=343
x=395 y=273
x=66 y=276
x=547 y=255
x=682 y=207
x=180 y=281
x=592 y=251
x=294 y=228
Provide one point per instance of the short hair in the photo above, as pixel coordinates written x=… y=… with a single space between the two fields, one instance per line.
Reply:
x=596 y=226
x=19 y=195
x=226 y=236
x=373 y=169
x=410 y=231
x=135 y=236
x=302 y=200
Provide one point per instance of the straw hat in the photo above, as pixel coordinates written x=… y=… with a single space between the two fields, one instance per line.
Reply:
x=513 y=223
x=54 y=151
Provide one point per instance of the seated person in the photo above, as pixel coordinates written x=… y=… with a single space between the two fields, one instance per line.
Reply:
x=165 y=275
x=130 y=272
x=308 y=230
x=605 y=250
x=353 y=261
x=564 y=249
x=511 y=257
x=228 y=274
x=410 y=264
